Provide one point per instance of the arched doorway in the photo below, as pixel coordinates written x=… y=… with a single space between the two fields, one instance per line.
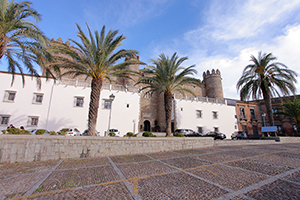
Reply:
x=147 y=125
x=172 y=127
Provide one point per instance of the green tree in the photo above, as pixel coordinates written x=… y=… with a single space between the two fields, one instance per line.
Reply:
x=167 y=76
x=266 y=78
x=95 y=58
x=291 y=109
x=20 y=39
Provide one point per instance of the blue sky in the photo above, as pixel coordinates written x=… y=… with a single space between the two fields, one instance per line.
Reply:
x=215 y=34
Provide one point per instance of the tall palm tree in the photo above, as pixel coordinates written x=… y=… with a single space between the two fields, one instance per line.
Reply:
x=20 y=39
x=266 y=78
x=167 y=76
x=291 y=109
x=95 y=58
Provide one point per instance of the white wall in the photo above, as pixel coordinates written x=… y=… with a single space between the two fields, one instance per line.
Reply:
x=226 y=121
x=58 y=108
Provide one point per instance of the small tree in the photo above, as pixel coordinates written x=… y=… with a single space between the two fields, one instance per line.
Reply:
x=291 y=109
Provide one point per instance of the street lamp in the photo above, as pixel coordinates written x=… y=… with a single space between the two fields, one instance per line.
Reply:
x=111 y=98
x=263 y=116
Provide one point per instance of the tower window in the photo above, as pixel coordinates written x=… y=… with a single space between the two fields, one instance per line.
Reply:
x=127 y=105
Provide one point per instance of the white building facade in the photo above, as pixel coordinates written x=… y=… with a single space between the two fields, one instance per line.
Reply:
x=206 y=114
x=65 y=104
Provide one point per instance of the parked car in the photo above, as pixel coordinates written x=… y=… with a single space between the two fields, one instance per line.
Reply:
x=72 y=132
x=33 y=132
x=188 y=132
x=239 y=135
x=113 y=130
x=215 y=135
x=85 y=133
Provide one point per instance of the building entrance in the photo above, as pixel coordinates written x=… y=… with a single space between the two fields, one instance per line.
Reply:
x=146 y=125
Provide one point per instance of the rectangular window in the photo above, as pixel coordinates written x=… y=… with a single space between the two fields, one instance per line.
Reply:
x=127 y=105
x=215 y=115
x=10 y=96
x=199 y=113
x=216 y=129
x=107 y=104
x=33 y=121
x=38 y=98
x=4 y=120
x=242 y=113
x=79 y=102
x=200 y=129
x=252 y=112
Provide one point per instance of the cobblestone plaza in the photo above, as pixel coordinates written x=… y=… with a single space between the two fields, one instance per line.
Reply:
x=270 y=171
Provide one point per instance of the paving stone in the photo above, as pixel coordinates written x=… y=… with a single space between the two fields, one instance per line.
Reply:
x=26 y=167
x=62 y=179
x=229 y=177
x=260 y=166
x=278 y=160
x=294 y=155
x=177 y=186
x=144 y=169
x=83 y=162
x=106 y=192
x=129 y=159
x=191 y=152
x=218 y=157
x=293 y=177
x=278 y=189
x=186 y=162
x=15 y=186
x=164 y=155
x=238 y=198
x=244 y=153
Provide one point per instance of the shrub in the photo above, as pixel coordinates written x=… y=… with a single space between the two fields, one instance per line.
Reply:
x=16 y=131
x=178 y=135
x=129 y=134
x=52 y=133
x=148 y=134
x=62 y=131
x=112 y=134
x=40 y=131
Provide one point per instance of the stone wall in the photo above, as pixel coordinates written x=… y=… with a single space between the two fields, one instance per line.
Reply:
x=40 y=148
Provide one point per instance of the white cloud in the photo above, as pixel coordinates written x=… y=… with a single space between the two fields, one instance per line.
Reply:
x=242 y=19
x=285 y=47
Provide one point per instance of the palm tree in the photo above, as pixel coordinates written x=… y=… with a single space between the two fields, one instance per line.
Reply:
x=20 y=39
x=166 y=77
x=291 y=109
x=95 y=59
x=266 y=78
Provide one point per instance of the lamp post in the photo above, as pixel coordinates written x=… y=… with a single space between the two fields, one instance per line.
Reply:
x=111 y=98
x=263 y=116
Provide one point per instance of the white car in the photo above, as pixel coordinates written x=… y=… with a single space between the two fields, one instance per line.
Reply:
x=72 y=132
x=113 y=130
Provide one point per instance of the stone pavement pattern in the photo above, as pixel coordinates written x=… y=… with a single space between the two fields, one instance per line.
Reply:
x=232 y=172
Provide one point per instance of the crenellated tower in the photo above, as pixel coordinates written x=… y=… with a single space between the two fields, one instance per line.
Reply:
x=212 y=83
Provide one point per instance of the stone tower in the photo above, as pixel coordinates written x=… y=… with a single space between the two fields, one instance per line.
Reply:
x=213 y=84
x=134 y=67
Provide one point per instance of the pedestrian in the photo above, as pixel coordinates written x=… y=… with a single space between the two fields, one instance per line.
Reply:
x=11 y=126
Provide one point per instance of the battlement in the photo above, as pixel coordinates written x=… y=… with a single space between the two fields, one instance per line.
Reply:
x=59 y=40
x=212 y=73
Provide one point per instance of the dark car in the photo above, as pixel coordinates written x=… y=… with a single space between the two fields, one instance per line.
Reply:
x=215 y=135
x=188 y=132
x=239 y=135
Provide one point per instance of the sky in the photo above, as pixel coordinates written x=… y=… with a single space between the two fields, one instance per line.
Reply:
x=213 y=34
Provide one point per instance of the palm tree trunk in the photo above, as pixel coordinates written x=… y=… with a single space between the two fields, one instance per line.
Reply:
x=268 y=105
x=94 y=105
x=168 y=111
